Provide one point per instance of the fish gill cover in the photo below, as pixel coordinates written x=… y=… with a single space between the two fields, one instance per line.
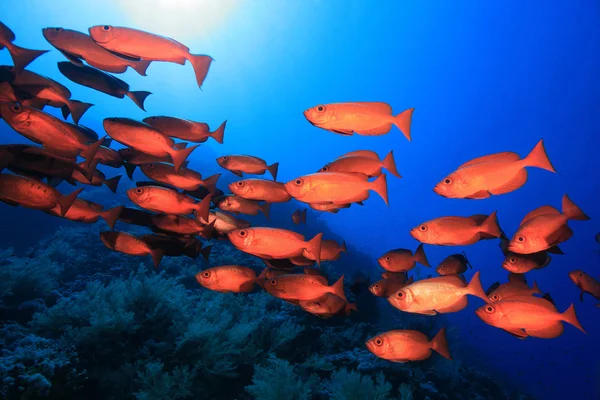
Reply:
x=303 y=200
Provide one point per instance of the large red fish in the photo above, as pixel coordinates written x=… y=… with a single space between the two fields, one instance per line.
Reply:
x=89 y=212
x=402 y=260
x=229 y=278
x=238 y=164
x=185 y=178
x=364 y=162
x=192 y=131
x=168 y=201
x=327 y=306
x=457 y=231
x=261 y=190
x=239 y=205
x=300 y=287
x=402 y=346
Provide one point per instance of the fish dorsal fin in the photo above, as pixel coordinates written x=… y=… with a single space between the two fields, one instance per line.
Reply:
x=543 y=210
x=505 y=156
x=361 y=153
x=479 y=218
x=376 y=106
x=547 y=296
x=491 y=289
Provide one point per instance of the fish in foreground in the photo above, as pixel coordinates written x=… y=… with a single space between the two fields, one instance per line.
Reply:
x=21 y=56
x=229 y=278
x=102 y=82
x=330 y=251
x=362 y=118
x=301 y=287
x=168 y=201
x=524 y=316
x=586 y=283
x=457 y=231
x=442 y=294
x=261 y=190
x=89 y=212
x=274 y=243
x=134 y=44
x=407 y=345
x=239 y=205
x=184 y=178
x=327 y=306
x=146 y=139
x=454 y=264
x=31 y=193
x=363 y=162
x=388 y=286
x=238 y=164
x=299 y=216
x=184 y=129
x=126 y=243
x=545 y=227
x=77 y=46
x=336 y=188
x=402 y=260
x=493 y=174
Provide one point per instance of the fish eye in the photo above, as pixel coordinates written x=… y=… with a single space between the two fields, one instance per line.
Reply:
x=320 y=108
x=513 y=260
x=106 y=28
x=495 y=297
x=206 y=274
x=274 y=282
x=581 y=274
x=443 y=266
x=242 y=233
x=423 y=228
x=521 y=239
x=376 y=286
x=16 y=107
x=139 y=190
x=400 y=295
x=150 y=165
x=447 y=181
x=240 y=183
x=298 y=182
x=489 y=309
x=388 y=258
x=378 y=342
x=224 y=158
x=57 y=29
x=324 y=169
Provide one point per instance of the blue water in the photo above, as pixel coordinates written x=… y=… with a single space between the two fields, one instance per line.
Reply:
x=483 y=77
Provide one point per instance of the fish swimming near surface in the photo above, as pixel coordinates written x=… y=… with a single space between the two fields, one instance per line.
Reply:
x=89 y=212
x=586 y=283
x=299 y=216
x=184 y=178
x=229 y=279
x=362 y=118
x=402 y=346
x=545 y=227
x=134 y=44
x=454 y=264
x=336 y=188
x=102 y=82
x=402 y=260
x=238 y=164
x=364 y=162
x=442 y=294
x=168 y=201
x=197 y=132
x=328 y=306
x=261 y=190
x=21 y=56
x=126 y=243
x=239 y=205
x=78 y=47
x=301 y=287
x=457 y=231
x=493 y=174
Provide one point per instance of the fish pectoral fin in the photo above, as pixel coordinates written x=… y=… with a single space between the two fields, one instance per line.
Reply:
x=563 y=234
x=550 y=332
x=73 y=58
x=343 y=132
x=517 y=332
x=124 y=56
x=515 y=183
x=482 y=194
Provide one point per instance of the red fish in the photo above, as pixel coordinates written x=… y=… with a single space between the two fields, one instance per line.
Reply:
x=327 y=306
x=402 y=346
x=98 y=178
x=261 y=190
x=224 y=222
x=454 y=264
x=300 y=287
x=330 y=251
x=248 y=164
x=192 y=131
x=182 y=225
x=586 y=283
x=457 y=231
x=184 y=178
x=168 y=201
x=402 y=260
x=89 y=212
x=128 y=244
x=228 y=278
x=389 y=286
x=363 y=162
x=237 y=205
x=21 y=57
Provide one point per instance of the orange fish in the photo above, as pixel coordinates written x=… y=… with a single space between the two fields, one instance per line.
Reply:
x=98 y=178
x=31 y=193
x=301 y=261
x=442 y=294
x=182 y=225
x=327 y=306
x=138 y=45
x=21 y=57
x=394 y=275
x=457 y=231
x=237 y=205
x=513 y=288
x=454 y=264
x=362 y=118
x=299 y=217
x=330 y=251
x=492 y=175
x=224 y=222
x=331 y=208
x=274 y=243
x=109 y=157
x=184 y=178
x=168 y=201
x=248 y=164
x=402 y=260
x=128 y=244
x=228 y=278
x=586 y=283
x=363 y=162
x=300 y=287
x=260 y=189
x=528 y=316
x=388 y=286
x=545 y=227
x=78 y=46
x=89 y=212
x=402 y=346
x=335 y=188
x=192 y=131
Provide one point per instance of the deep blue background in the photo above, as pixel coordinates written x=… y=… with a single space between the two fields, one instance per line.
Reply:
x=483 y=77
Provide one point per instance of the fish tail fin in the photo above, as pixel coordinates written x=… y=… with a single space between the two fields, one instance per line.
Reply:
x=490 y=226
x=390 y=164
x=141 y=66
x=179 y=156
x=22 y=57
x=77 y=109
x=273 y=170
x=349 y=307
x=380 y=187
x=179 y=146
x=65 y=202
x=90 y=152
x=205 y=251
x=338 y=288
x=201 y=64
x=66 y=112
x=112 y=183
x=202 y=208
x=474 y=287
x=129 y=169
x=314 y=246
x=260 y=279
x=219 y=133
x=157 y=255
x=343 y=246
x=571 y=210
x=266 y=209
x=112 y=215
x=440 y=345
x=211 y=182
x=538 y=158
x=420 y=256
x=570 y=317
x=535 y=288
x=208 y=229
x=89 y=170
x=403 y=120
x=303 y=215
x=138 y=97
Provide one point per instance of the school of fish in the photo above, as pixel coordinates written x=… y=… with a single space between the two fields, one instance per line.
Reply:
x=179 y=205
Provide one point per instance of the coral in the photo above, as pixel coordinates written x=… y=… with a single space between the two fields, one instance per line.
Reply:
x=156 y=384
x=277 y=380
x=352 y=385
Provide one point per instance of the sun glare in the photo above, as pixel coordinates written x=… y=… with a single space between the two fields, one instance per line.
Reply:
x=179 y=19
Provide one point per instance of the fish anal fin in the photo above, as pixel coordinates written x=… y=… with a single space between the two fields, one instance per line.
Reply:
x=550 y=332
x=124 y=56
x=515 y=183
x=517 y=332
x=482 y=194
x=115 y=69
x=379 y=130
x=505 y=156
x=343 y=132
x=73 y=58
x=238 y=173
